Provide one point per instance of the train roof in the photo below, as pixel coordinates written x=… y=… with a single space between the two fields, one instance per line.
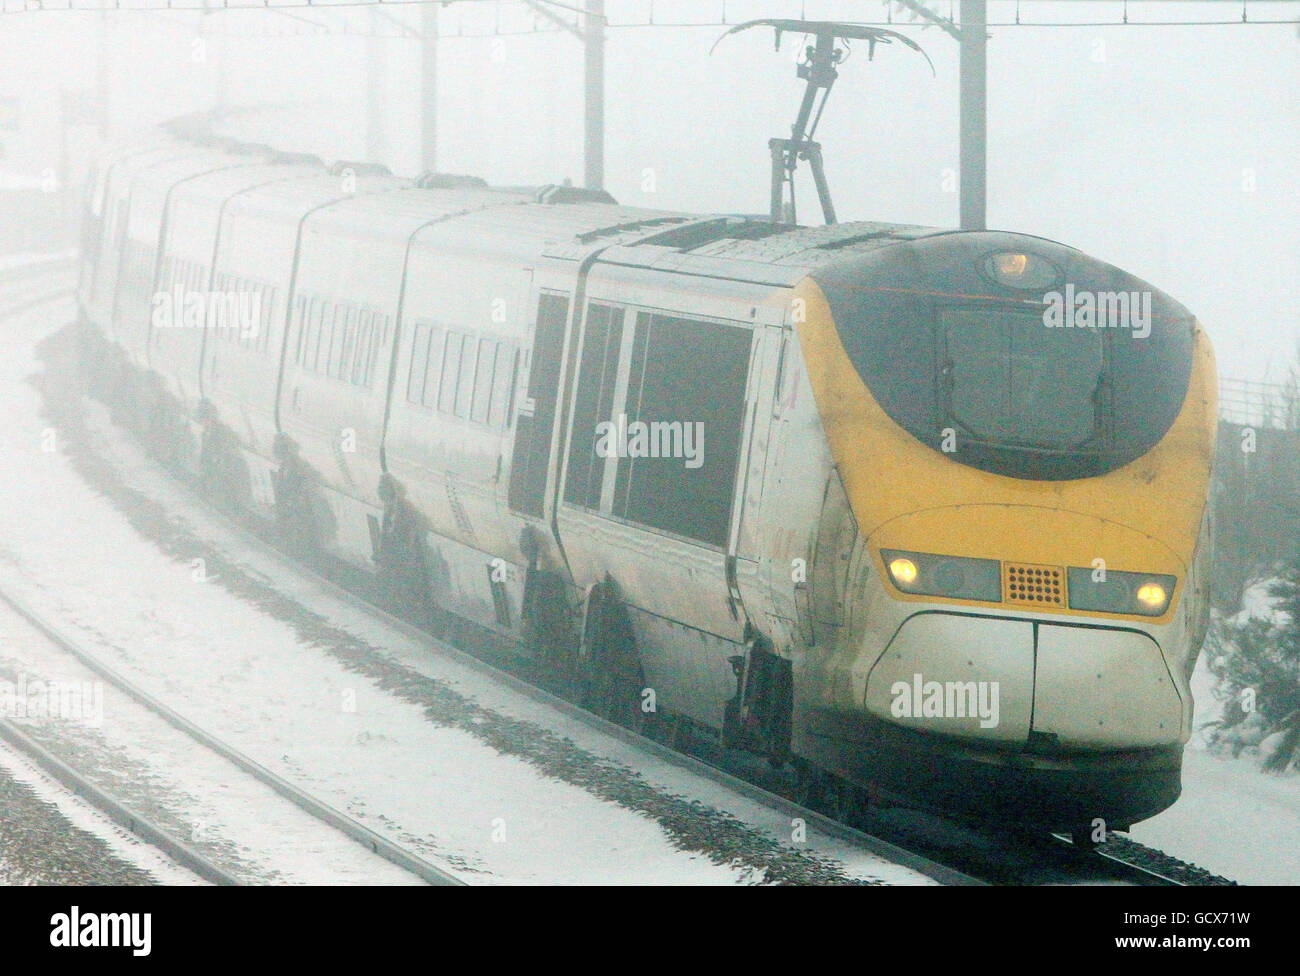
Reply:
x=220 y=185
x=295 y=198
x=556 y=222
x=401 y=211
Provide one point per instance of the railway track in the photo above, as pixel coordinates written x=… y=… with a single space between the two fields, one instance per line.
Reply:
x=116 y=809
x=946 y=859
x=119 y=811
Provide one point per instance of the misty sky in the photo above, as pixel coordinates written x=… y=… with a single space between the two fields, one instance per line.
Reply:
x=1171 y=151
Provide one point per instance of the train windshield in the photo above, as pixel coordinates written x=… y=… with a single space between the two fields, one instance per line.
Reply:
x=1048 y=382
x=1005 y=379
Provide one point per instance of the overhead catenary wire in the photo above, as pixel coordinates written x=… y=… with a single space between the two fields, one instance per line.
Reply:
x=575 y=6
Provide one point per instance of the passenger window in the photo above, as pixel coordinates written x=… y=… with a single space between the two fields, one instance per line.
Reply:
x=503 y=384
x=487 y=351
x=432 y=372
x=361 y=358
x=348 y=344
x=378 y=340
x=419 y=364
x=595 y=401
x=465 y=382
x=450 y=372
x=321 y=350
x=685 y=415
x=268 y=318
x=301 y=311
x=311 y=326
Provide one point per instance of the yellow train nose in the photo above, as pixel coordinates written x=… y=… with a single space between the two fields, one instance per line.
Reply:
x=1031 y=557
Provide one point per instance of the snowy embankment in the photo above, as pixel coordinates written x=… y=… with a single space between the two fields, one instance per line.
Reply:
x=1231 y=819
x=433 y=754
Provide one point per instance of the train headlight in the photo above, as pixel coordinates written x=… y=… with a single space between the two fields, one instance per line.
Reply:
x=1152 y=595
x=1024 y=272
x=903 y=571
x=1144 y=594
x=1010 y=265
x=929 y=574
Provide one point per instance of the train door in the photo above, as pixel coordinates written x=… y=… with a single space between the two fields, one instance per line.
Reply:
x=663 y=410
x=535 y=423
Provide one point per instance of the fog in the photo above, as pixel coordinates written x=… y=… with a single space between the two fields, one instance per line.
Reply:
x=1172 y=151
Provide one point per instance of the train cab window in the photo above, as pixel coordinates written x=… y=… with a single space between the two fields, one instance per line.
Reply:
x=678 y=447
x=1009 y=380
x=595 y=398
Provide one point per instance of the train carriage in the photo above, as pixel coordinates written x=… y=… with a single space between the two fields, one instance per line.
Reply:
x=198 y=215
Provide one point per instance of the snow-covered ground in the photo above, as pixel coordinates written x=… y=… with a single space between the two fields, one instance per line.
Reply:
x=202 y=799
x=403 y=768
x=1231 y=819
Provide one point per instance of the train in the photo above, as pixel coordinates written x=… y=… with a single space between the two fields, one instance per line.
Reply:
x=920 y=512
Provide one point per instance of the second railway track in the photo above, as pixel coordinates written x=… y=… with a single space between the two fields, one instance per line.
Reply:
x=119 y=810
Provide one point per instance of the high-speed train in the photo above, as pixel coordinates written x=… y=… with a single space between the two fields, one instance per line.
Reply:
x=921 y=510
